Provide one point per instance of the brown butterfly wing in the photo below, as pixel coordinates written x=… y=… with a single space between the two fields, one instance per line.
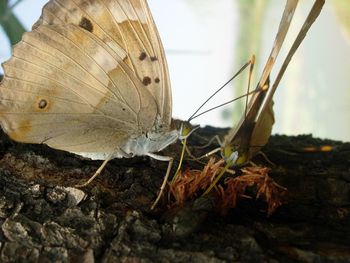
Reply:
x=75 y=91
x=265 y=117
x=241 y=134
x=254 y=130
x=128 y=23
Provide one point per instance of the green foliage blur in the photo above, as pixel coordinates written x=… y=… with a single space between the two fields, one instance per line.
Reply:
x=342 y=8
x=9 y=22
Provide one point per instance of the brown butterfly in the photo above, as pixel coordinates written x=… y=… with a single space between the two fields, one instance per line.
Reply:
x=254 y=128
x=91 y=78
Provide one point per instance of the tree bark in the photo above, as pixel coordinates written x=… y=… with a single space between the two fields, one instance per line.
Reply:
x=44 y=218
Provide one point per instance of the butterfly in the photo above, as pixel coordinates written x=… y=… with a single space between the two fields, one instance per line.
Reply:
x=253 y=130
x=91 y=78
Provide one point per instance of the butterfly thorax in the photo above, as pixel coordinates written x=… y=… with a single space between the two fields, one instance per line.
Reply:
x=141 y=145
x=242 y=135
x=237 y=149
x=147 y=143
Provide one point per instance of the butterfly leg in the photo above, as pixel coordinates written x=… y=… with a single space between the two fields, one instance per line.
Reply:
x=99 y=170
x=209 y=153
x=213 y=140
x=165 y=180
x=266 y=158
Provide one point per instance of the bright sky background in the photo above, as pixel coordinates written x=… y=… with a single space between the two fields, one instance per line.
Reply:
x=194 y=47
x=199 y=40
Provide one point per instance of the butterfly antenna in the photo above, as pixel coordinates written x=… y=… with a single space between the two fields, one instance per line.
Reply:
x=223 y=86
x=230 y=101
x=249 y=82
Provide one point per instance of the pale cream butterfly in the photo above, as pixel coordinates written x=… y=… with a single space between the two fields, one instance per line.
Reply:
x=91 y=78
x=254 y=128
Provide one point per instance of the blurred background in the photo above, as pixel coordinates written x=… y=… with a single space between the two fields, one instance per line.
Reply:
x=206 y=42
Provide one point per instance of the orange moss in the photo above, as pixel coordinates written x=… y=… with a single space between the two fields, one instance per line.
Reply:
x=189 y=184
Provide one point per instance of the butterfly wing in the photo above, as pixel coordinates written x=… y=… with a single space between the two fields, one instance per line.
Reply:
x=128 y=23
x=312 y=16
x=253 y=130
x=81 y=92
x=265 y=116
x=241 y=134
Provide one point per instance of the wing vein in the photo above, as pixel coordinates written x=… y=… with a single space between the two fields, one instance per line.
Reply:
x=36 y=93
x=62 y=70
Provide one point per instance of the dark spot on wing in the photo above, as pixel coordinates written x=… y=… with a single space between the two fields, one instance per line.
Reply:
x=142 y=56
x=156 y=80
x=154 y=58
x=42 y=104
x=146 y=81
x=123 y=109
x=86 y=24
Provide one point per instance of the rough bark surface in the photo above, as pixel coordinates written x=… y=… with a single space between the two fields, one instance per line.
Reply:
x=44 y=218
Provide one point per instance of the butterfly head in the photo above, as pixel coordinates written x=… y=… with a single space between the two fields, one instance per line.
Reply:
x=231 y=153
x=186 y=129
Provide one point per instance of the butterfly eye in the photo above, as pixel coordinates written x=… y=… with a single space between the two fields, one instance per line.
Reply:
x=242 y=159
x=227 y=151
x=86 y=24
x=186 y=130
